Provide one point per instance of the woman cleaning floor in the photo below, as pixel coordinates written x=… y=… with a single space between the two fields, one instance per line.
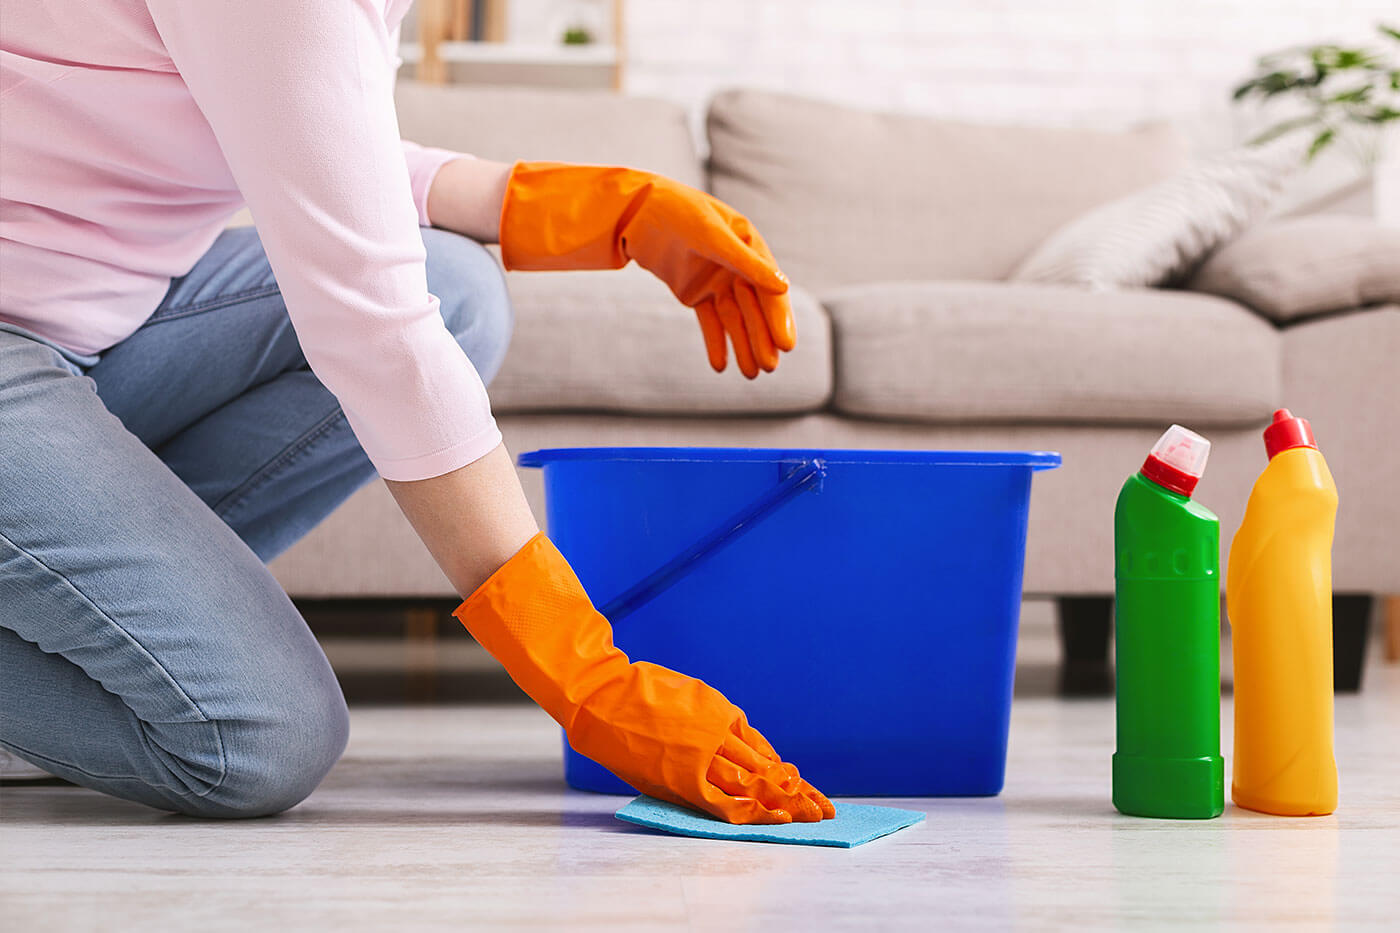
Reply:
x=179 y=402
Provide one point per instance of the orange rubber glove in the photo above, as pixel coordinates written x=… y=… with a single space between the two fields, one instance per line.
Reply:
x=560 y=216
x=668 y=735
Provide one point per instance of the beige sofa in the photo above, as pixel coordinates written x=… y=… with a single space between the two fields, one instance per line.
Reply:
x=898 y=233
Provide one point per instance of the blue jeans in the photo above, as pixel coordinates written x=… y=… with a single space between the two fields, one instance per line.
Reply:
x=145 y=650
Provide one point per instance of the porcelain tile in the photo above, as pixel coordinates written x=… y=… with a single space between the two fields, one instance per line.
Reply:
x=444 y=817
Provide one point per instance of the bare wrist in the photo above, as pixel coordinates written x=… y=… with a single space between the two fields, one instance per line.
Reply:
x=466 y=195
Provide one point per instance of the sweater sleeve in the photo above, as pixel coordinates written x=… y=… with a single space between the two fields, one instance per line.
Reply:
x=423 y=165
x=299 y=95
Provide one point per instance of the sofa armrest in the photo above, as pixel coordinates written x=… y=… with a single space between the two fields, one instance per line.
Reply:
x=1293 y=268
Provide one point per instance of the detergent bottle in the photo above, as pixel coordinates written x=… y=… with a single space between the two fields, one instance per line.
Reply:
x=1167 y=638
x=1279 y=597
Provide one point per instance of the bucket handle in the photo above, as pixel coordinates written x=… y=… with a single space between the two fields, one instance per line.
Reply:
x=809 y=474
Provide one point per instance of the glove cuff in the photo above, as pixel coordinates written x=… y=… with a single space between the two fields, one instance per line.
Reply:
x=557 y=216
x=534 y=617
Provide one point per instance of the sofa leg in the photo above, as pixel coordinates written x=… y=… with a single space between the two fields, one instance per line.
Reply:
x=1085 y=625
x=1351 y=630
x=1392 y=628
x=420 y=629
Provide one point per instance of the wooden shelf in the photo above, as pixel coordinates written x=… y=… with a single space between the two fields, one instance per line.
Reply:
x=440 y=55
x=510 y=53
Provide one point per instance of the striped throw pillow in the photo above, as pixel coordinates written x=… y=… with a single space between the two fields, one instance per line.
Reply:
x=1159 y=234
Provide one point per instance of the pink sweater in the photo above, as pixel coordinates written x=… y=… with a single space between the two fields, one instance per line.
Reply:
x=133 y=129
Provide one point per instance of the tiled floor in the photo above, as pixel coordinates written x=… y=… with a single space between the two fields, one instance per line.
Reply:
x=452 y=818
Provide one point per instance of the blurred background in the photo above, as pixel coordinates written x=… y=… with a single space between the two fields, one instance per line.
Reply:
x=1087 y=63
x=1028 y=106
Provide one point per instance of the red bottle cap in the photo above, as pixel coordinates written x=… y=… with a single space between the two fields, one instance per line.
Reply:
x=1286 y=433
x=1177 y=460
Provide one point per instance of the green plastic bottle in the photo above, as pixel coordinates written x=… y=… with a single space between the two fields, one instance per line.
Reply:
x=1167 y=638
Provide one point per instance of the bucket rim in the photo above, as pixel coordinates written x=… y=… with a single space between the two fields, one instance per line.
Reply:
x=1032 y=459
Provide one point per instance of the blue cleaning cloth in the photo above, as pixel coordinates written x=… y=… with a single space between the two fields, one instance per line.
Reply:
x=855 y=824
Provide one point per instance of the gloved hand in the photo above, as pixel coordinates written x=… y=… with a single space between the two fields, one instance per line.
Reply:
x=668 y=735
x=560 y=216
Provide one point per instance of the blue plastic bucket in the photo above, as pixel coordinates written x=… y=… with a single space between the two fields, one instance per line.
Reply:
x=861 y=606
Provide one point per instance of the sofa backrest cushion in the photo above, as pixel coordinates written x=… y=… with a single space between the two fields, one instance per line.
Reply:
x=507 y=124
x=847 y=196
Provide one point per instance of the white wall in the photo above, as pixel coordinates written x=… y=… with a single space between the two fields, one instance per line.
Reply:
x=1058 y=62
x=1043 y=61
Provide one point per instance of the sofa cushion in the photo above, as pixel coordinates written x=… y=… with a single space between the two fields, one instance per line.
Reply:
x=847 y=196
x=1158 y=234
x=980 y=351
x=506 y=124
x=619 y=341
x=1306 y=265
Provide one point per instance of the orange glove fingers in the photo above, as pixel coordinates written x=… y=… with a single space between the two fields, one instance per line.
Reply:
x=733 y=321
x=745 y=253
x=713 y=332
x=738 y=751
x=777 y=313
x=737 y=782
x=816 y=796
x=761 y=342
x=736 y=810
x=797 y=785
x=758 y=264
x=754 y=739
x=741 y=811
x=780 y=774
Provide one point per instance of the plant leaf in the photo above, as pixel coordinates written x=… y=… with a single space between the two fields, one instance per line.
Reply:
x=1284 y=128
x=1320 y=142
x=1279 y=81
x=1385 y=30
x=1323 y=53
x=1356 y=95
x=1352 y=58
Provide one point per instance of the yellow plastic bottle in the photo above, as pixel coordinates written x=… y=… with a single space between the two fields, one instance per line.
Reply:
x=1278 y=594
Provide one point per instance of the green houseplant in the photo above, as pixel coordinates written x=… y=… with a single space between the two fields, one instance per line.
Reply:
x=1344 y=95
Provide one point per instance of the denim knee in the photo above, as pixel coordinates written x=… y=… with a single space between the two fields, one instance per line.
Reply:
x=471 y=289
x=275 y=762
